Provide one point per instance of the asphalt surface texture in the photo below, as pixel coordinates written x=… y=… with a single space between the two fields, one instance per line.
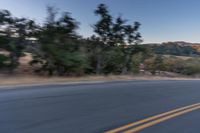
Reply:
x=98 y=107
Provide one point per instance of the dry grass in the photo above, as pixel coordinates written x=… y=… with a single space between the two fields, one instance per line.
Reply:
x=26 y=80
x=179 y=57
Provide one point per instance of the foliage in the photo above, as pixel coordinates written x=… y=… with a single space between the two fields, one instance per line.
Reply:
x=59 y=46
x=3 y=60
x=13 y=35
x=117 y=37
x=174 y=48
x=114 y=48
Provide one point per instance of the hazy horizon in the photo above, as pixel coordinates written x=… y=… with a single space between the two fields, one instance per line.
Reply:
x=162 y=21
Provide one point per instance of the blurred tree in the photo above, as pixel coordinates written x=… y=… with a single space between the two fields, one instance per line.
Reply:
x=58 y=49
x=14 y=34
x=116 y=35
x=3 y=60
x=59 y=46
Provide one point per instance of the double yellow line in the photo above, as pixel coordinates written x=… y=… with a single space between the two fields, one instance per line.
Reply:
x=142 y=124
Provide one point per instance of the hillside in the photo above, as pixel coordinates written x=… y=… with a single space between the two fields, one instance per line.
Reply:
x=175 y=48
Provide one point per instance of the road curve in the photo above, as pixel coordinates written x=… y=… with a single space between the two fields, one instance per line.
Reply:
x=102 y=107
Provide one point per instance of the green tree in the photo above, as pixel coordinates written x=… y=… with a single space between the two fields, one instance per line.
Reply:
x=14 y=36
x=3 y=60
x=60 y=51
x=116 y=34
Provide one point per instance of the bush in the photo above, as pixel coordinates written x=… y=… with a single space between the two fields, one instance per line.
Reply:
x=3 y=60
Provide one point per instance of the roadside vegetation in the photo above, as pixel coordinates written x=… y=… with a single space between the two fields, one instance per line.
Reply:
x=57 y=48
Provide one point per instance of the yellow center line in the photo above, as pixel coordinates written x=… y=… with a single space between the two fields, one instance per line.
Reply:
x=136 y=129
x=151 y=118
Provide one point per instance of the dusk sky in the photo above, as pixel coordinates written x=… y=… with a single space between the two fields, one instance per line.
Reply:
x=162 y=20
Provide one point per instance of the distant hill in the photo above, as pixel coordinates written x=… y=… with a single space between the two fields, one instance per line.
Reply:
x=175 y=48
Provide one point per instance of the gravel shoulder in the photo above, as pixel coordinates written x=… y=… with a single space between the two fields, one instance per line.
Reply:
x=40 y=80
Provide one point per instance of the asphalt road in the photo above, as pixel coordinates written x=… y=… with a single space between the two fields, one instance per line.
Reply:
x=99 y=107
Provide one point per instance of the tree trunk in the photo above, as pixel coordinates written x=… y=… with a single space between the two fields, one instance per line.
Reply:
x=126 y=62
x=98 y=64
x=13 y=62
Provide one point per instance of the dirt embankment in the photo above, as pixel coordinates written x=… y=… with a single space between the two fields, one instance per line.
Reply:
x=26 y=79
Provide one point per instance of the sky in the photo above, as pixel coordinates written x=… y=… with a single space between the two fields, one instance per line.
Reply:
x=162 y=20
